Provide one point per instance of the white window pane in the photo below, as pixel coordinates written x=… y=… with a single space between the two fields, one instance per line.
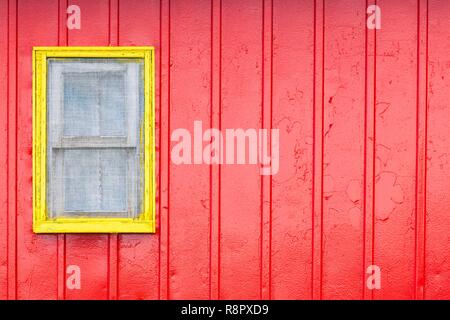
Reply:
x=81 y=104
x=94 y=104
x=95 y=97
x=95 y=180
x=112 y=105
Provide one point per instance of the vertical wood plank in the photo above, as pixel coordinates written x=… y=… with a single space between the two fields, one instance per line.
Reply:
x=369 y=153
x=437 y=260
x=164 y=207
x=113 y=263
x=216 y=78
x=266 y=181
x=396 y=148
x=190 y=82
x=293 y=37
x=11 y=146
x=241 y=184
x=343 y=165
x=4 y=82
x=421 y=145
x=318 y=149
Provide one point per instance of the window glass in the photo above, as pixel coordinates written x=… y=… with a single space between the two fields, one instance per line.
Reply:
x=94 y=180
x=95 y=120
x=94 y=104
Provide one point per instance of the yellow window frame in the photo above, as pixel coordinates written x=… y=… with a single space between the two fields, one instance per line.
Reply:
x=42 y=223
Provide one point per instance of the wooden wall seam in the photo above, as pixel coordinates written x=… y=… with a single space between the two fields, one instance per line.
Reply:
x=421 y=148
x=369 y=154
x=266 y=123
x=12 y=61
x=61 y=238
x=318 y=148
x=164 y=220
x=214 y=277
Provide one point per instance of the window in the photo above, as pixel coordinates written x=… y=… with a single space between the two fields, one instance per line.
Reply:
x=93 y=140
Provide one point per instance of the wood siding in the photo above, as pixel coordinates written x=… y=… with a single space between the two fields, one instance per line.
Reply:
x=364 y=151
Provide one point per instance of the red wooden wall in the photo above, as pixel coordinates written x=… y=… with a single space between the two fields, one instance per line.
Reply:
x=364 y=151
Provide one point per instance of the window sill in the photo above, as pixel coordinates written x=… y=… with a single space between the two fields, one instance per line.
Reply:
x=92 y=225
